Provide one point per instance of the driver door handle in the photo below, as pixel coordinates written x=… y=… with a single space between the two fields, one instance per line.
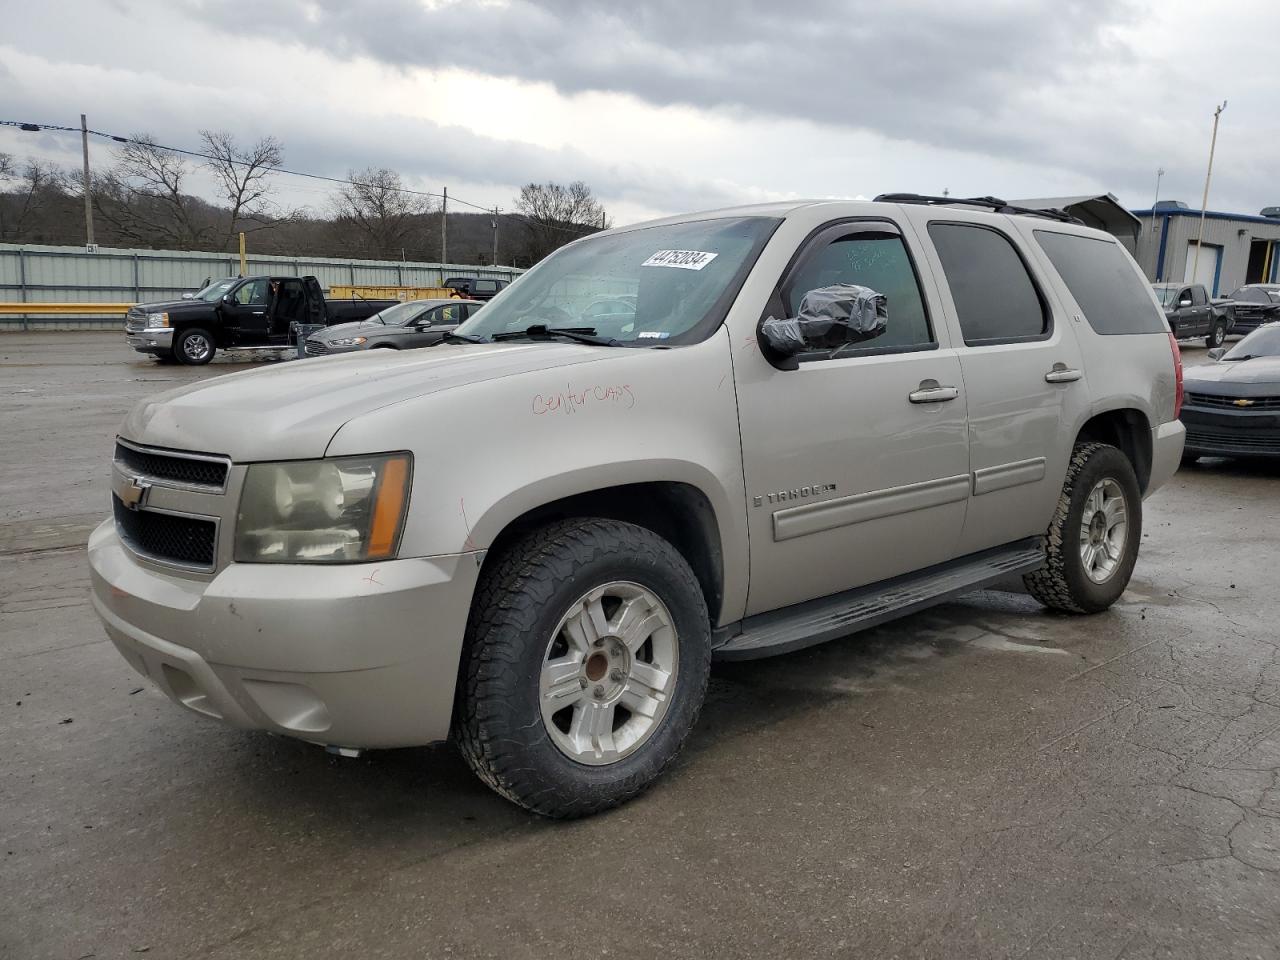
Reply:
x=1061 y=374
x=930 y=392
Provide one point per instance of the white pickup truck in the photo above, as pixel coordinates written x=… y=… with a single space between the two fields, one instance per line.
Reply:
x=730 y=434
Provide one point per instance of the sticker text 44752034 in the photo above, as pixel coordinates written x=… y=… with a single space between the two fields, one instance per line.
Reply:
x=570 y=400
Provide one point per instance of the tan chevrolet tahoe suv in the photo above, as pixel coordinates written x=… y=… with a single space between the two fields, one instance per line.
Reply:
x=725 y=435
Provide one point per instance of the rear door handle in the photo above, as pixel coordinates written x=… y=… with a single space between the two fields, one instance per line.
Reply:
x=930 y=392
x=1061 y=374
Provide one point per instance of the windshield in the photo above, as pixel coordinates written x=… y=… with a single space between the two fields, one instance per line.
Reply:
x=400 y=314
x=1263 y=342
x=216 y=290
x=645 y=287
x=1166 y=292
x=1257 y=295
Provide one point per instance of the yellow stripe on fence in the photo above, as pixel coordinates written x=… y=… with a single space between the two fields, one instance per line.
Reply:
x=63 y=309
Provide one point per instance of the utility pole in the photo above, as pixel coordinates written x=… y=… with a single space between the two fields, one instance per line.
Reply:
x=1204 y=202
x=88 y=197
x=444 y=228
x=1154 y=204
x=494 y=223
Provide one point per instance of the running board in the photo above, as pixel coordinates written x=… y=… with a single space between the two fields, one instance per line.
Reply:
x=817 y=621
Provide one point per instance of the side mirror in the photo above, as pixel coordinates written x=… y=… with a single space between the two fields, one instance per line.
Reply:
x=1217 y=353
x=829 y=319
x=1184 y=303
x=228 y=299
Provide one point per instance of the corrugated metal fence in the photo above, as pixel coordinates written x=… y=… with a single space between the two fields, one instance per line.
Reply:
x=39 y=274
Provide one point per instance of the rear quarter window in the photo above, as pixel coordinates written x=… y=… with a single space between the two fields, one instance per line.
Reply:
x=1104 y=283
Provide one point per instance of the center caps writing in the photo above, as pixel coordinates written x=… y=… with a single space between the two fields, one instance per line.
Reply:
x=795 y=493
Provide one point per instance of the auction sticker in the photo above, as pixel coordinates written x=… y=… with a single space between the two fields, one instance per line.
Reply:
x=682 y=259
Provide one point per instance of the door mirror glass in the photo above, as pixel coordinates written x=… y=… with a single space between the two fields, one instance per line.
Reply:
x=829 y=319
x=1216 y=353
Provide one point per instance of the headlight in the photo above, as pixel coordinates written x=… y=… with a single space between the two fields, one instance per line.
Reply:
x=346 y=510
x=348 y=341
x=157 y=319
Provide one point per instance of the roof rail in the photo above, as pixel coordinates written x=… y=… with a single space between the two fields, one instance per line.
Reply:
x=991 y=203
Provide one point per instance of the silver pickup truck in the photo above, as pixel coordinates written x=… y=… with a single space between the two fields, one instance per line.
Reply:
x=724 y=435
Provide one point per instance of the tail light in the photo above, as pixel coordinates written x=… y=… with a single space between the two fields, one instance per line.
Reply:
x=1177 y=376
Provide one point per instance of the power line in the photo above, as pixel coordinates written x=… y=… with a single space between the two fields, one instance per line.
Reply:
x=38 y=127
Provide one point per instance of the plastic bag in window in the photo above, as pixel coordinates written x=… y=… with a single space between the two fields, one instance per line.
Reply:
x=829 y=318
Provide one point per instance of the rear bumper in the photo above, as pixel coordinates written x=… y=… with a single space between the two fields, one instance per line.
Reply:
x=1228 y=433
x=362 y=655
x=158 y=340
x=1166 y=454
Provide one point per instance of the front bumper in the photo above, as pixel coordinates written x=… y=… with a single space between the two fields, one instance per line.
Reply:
x=1230 y=433
x=151 y=340
x=358 y=655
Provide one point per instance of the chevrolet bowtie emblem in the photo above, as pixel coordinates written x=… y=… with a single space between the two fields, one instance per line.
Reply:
x=1244 y=403
x=133 y=494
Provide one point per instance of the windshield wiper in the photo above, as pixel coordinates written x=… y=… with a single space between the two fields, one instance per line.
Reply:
x=540 y=331
x=451 y=337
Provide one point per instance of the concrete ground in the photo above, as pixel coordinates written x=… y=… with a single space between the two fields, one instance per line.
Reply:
x=983 y=780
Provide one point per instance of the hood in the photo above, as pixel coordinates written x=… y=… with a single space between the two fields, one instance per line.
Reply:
x=170 y=306
x=1235 y=377
x=292 y=410
x=347 y=329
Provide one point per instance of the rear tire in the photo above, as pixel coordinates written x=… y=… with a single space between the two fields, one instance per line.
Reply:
x=1217 y=335
x=194 y=347
x=1092 y=542
x=585 y=667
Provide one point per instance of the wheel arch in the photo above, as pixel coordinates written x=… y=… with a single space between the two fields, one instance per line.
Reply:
x=1129 y=430
x=678 y=511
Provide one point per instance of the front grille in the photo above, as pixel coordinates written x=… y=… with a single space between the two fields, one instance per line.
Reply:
x=1232 y=403
x=314 y=348
x=1203 y=440
x=135 y=320
x=168 y=538
x=203 y=471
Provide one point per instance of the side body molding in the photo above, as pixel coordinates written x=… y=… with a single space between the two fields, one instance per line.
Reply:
x=874 y=505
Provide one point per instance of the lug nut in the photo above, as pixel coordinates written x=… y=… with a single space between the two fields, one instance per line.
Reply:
x=582 y=682
x=599 y=692
x=616 y=675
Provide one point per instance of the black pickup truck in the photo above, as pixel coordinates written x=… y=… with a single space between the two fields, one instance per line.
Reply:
x=1191 y=312
x=237 y=313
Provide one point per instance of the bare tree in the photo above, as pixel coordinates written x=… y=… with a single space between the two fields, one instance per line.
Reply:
x=376 y=208
x=29 y=194
x=555 y=214
x=242 y=178
x=144 y=197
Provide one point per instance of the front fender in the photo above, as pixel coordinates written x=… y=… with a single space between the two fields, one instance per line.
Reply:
x=486 y=453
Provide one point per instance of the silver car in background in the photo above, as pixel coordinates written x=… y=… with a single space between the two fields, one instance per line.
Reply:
x=414 y=323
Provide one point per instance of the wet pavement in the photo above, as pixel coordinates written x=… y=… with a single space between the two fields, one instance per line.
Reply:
x=982 y=780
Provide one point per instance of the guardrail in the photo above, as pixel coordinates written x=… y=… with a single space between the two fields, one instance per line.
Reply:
x=64 y=309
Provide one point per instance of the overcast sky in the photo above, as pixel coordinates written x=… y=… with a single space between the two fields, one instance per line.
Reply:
x=664 y=106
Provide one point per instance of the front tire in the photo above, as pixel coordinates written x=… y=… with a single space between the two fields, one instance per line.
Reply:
x=1218 y=335
x=194 y=347
x=585 y=667
x=1092 y=542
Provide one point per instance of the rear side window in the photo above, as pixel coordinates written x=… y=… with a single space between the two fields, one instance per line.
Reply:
x=1113 y=296
x=485 y=286
x=996 y=300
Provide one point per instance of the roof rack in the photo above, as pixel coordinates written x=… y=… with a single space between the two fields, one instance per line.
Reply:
x=991 y=203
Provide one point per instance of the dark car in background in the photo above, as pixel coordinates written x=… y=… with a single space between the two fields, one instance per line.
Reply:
x=415 y=323
x=1191 y=312
x=1231 y=407
x=477 y=288
x=1256 y=304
